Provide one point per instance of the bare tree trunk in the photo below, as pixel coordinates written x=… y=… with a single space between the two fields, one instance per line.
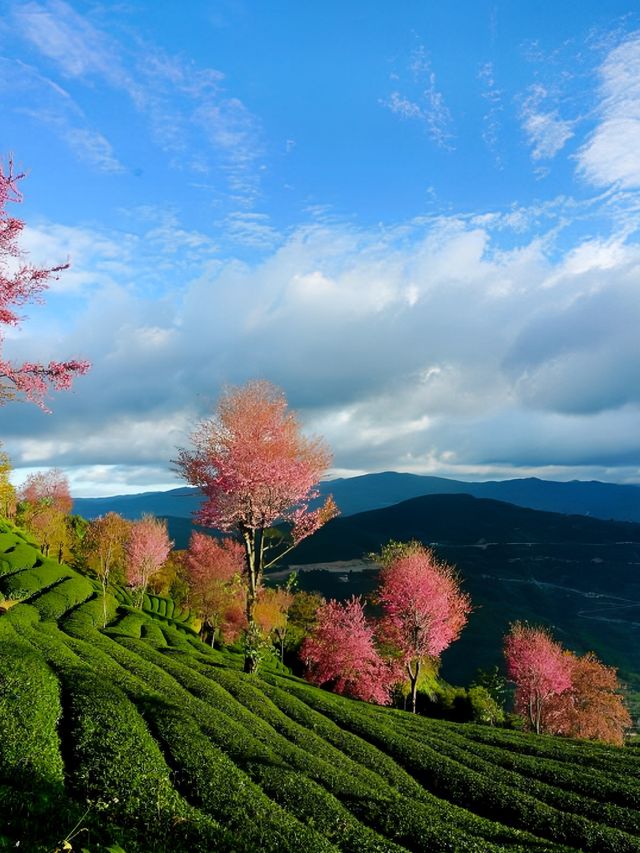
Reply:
x=104 y=601
x=413 y=677
x=251 y=651
x=253 y=554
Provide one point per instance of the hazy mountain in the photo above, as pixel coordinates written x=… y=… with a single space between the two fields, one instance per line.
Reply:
x=375 y=491
x=182 y=503
x=601 y=500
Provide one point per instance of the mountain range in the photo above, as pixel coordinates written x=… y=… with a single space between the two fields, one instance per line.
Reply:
x=376 y=491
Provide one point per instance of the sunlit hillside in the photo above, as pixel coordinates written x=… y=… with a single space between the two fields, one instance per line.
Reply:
x=139 y=737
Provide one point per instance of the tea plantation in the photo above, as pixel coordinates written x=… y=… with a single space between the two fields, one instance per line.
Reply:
x=138 y=737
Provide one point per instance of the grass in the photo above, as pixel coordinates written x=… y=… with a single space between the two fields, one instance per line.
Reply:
x=139 y=737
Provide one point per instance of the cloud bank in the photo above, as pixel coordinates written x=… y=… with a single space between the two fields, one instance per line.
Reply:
x=426 y=346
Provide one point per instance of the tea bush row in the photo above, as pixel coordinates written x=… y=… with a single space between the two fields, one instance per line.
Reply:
x=421 y=820
x=594 y=783
x=232 y=738
x=481 y=792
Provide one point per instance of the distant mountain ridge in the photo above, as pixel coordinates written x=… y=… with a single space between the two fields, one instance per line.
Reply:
x=457 y=520
x=376 y=491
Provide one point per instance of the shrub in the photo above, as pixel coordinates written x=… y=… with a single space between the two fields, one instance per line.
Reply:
x=29 y=714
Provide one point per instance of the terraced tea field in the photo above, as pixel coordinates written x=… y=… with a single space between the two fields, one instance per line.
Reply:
x=140 y=738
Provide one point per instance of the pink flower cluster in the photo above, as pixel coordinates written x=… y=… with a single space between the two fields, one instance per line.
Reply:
x=341 y=653
x=19 y=284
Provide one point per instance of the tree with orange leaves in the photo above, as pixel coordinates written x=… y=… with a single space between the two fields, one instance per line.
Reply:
x=593 y=707
x=8 y=498
x=272 y=613
x=104 y=545
x=256 y=469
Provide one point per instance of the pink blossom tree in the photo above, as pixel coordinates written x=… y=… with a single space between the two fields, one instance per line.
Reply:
x=213 y=568
x=21 y=283
x=256 y=469
x=45 y=503
x=424 y=608
x=147 y=549
x=540 y=669
x=341 y=653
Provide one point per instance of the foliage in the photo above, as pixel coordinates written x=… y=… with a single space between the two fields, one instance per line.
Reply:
x=105 y=548
x=213 y=568
x=459 y=704
x=539 y=669
x=341 y=653
x=256 y=468
x=593 y=706
x=424 y=608
x=272 y=613
x=45 y=503
x=493 y=682
x=146 y=548
x=8 y=498
x=303 y=612
x=21 y=283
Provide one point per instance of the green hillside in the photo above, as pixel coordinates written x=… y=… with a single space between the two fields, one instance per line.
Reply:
x=140 y=736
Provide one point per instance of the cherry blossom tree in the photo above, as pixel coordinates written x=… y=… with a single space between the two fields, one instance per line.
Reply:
x=540 y=669
x=213 y=568
x=341 y=653
x=256 y=469
x=104 y=545
x=21 y=283
x=48 y=487
x=147 y=548
x=45 y=503
x=592 y=707
x=423 y=606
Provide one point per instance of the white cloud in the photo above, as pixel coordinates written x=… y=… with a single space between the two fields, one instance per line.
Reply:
x=492 y=119
x=191 y=116
x=426 y=102
x=427 y=346
x=52 y=107
x=93 y=147
x=611 y=155
x=66 y=38
x=547 y=133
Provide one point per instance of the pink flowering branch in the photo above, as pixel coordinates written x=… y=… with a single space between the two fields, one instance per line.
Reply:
x=20 y=284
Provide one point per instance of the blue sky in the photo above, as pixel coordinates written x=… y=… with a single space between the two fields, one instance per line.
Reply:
x=420 y=219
